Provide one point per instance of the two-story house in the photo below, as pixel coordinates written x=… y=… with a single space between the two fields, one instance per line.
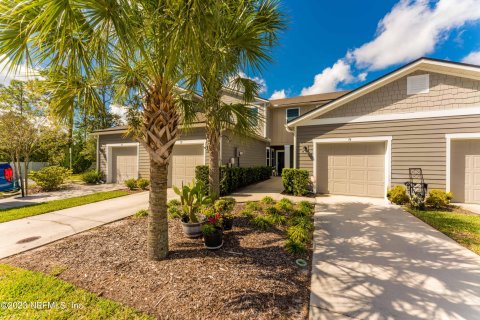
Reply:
x=425 y=115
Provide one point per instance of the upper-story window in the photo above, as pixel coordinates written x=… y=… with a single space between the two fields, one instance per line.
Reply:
x=255 y=114
x=292 y=113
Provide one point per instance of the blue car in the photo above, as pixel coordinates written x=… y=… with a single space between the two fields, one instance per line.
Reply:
x=6 y=177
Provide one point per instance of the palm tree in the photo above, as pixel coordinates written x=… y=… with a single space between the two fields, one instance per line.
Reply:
x=140 y=43
x=239 y=35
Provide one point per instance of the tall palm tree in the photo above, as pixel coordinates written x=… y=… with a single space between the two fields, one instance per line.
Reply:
x=239 y=36
x=141 y=43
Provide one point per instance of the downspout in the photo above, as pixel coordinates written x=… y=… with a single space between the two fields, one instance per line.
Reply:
x=97 y=164
x=295 y=148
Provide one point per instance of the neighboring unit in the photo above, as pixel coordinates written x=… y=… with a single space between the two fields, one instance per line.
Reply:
x=423 y=115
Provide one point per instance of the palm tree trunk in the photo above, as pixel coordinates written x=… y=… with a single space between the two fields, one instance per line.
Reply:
x=214 y=165
x=157 y=237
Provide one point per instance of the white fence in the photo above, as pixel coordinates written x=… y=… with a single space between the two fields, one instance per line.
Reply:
x=35 y=166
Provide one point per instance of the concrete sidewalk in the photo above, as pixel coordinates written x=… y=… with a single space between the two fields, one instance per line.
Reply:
x=28 y=233
x=375 y=261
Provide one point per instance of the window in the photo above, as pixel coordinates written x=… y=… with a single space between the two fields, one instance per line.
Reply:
x=292 y=114
x=255 y=114
x=418 y=84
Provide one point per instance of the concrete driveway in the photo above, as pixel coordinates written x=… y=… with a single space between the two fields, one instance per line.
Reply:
x=375 y=261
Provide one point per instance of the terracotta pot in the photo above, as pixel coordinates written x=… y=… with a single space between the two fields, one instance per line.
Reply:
x=215 y=240
x=192 y=230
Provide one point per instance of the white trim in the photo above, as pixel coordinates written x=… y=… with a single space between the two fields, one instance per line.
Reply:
x=97 y=158
x=276 y=160
x=295 y=147
x=286 y=155
x=186 y=142
x=388 y=155
x=475 y=110
x=421 y=64
x=268 y=160
x=109 y=168
x=286 y=113
x=455 y=136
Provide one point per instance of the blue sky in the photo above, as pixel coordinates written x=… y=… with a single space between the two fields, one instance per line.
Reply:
x=344 y=44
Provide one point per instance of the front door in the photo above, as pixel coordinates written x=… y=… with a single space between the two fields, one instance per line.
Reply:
x=280 y=161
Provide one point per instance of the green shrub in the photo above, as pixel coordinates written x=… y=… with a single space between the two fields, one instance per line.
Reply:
x=130 y=184
x=247 y=213
x=296 y=181
x=305 y=207
x=262 y=223
x=174 y=203
x=304 y=222
x=298 y=234
x=143 y=183
x=253 y=206
x=141 y=213
x=208 y=229
x=275 y=216
x=50 y=178
x=398 y=195
x=234 y=178
x=267 y=200
x=294 y=247
x=284 y=205
x=92 y=177
x=224 y=206
x=417 y=203
x=438 y=199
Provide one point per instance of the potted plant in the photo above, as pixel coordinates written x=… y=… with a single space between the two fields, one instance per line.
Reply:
x=212 y=232
x=225 y=207
x=192 y=198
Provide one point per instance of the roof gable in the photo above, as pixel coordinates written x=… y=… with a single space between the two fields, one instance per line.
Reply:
x=424 y=64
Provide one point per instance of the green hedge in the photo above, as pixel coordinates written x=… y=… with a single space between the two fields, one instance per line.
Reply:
x=296 y=181
x=232 y=179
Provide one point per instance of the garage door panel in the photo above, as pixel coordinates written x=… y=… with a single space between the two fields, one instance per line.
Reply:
x=465 y=171
x=352 y=169
x=124 y=163
x=184 y=160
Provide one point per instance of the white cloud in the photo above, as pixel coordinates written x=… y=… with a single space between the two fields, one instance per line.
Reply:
x=278 y=94
x=472 y=58
x=413 y=28
x=329 y=79
x=261 y=82
x=21 y=73
x=119 y=110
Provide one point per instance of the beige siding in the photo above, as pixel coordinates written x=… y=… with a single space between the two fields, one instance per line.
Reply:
x=276 y=127
x=144 y=161
x=415 y=143
x=254 y=150
x=446 y=92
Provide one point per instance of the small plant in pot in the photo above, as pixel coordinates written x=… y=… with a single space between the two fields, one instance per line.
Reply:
x=192 y=198
x=225 y=207
x=212 y=232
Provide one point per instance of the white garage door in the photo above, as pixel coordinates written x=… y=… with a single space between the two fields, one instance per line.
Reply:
x=351 y=169
x=185 y=158
x=124 y=163
x=465 y=171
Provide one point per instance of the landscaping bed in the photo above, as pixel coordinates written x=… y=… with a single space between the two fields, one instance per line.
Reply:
x=251 y=276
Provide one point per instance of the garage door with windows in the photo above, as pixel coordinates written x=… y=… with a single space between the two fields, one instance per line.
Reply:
x=183 y=162
x=465 y=171
x=356 y=168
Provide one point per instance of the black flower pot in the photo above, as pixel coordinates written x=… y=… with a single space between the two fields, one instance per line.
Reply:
x=227 y=223
x=215 y=240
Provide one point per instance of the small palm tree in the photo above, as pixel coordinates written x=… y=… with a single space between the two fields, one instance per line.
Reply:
x=140 y=43
x=239 y=35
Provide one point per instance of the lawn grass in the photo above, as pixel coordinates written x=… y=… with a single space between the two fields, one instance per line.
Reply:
x=461 y=227
x=45 y=207
x=67 y=301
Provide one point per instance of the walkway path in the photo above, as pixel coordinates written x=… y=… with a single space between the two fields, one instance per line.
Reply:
x=375 y=261
x=28 y=233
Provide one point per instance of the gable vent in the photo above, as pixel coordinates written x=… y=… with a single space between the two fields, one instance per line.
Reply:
x=418 y=84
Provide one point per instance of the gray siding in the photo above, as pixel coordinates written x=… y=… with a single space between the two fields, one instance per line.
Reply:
x=144 y=161
x=254 y=150
x=446 y=93
x=415 y=143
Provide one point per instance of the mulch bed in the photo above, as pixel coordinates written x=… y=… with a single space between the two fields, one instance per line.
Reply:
x=251 y=277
